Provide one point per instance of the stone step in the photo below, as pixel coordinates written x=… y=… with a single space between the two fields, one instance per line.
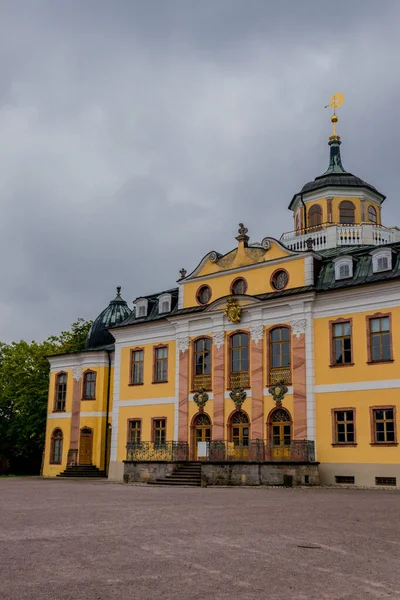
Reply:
x=168 y=482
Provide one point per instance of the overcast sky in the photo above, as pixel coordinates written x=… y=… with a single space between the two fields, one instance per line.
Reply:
x=135 y=135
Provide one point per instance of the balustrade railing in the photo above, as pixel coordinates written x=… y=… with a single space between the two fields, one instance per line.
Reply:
x=142 y=451
x=240 y=379
x=201 y=382
x=281 y=375
x=330 y=235
x=222 y=450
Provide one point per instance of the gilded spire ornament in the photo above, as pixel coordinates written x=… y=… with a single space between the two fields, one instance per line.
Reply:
x=335 y=101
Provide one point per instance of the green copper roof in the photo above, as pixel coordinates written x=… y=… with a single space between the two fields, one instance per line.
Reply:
x=335 y=176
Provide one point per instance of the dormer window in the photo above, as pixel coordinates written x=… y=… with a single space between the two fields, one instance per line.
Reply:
x=381 y=261
x=141 y=308
x=164 y=303
x=343 y=267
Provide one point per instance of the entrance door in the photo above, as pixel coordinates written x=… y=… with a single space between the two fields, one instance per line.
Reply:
x=281 y=434
x=86 y=446
x=202 y=433
x=240 y=435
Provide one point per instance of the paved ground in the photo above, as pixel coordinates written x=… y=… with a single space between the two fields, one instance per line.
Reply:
x=95 y=540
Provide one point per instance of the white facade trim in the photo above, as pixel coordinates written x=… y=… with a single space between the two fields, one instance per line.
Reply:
x=60 y=415
x=367 y=299
x=384 y=384
x=147 y=402
x=84 y=360
x=93 y=414
x=249 y=394
x=293 y=256
x=115 y=411
x=288 y=393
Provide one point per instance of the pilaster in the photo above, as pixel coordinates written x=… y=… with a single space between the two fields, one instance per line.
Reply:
x=219 y=385
x=72 y=458
x=183 y=397
x=299 y=379
x=257 y=386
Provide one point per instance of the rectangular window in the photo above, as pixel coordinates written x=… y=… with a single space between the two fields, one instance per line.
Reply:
x=161 y=364
x=61 y=392
x=159 y=431
x=349 y=479
x=89 y=384
x=383 y=424
x=344 y=427
x=135 y=431
x=137 y=367
x=379 y=339
x=385 y=480
x=341 y=343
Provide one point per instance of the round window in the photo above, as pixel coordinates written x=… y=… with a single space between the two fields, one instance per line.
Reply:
x=279 y=279
x=203 y=294
x=239 y=286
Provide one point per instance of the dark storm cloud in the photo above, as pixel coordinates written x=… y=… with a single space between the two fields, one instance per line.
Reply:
x=136 y=135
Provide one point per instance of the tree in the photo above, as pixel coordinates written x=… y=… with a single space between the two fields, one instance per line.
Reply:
x=24 y=383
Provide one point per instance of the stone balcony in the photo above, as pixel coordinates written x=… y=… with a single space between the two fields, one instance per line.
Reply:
x=331 y=235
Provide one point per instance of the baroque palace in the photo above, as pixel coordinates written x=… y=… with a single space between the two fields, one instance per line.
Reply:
x=278 y=359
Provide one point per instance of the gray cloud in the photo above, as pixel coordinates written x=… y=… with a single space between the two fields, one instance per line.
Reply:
x=136 y=135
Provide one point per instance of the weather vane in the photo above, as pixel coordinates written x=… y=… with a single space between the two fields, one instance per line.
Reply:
x=335 y=101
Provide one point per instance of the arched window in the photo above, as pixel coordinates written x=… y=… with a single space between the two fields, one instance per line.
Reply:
x=239 y=429
x=280 y=434
x=61 y=392
x=315 y=216
x=347 y=212
x=56 y=447
x=239 y=360
x=201 y=433
x=279 y=355
x=89 y=385
x=202 y=364
x=371 y=214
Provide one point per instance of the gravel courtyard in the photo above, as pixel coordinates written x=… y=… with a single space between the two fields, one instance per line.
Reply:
x=97 y=540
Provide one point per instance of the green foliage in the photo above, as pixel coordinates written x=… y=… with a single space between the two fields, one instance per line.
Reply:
x=24 y=382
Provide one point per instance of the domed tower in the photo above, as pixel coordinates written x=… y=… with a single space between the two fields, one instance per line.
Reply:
x=337 y=208
x=116 y=312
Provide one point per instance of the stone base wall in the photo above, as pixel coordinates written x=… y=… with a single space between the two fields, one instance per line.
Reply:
x=222 y=473
x=260 y=474
x=147 y=470
x=364 y=474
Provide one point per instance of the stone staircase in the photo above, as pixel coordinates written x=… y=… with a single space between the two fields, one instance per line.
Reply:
x=83 y=471
x=188 y=475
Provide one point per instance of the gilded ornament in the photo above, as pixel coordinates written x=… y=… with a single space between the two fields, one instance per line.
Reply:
x=278 y=392
x=233 y=311
x=238 y=395
x=201 y=398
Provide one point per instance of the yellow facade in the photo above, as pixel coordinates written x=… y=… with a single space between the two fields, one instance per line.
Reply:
x=299 y=383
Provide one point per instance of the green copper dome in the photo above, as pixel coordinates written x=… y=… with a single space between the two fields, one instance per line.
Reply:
x=335 y=175
x=116 y=312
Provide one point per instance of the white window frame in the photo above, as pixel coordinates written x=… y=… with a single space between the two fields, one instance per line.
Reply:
x=140 y=303
x=340 y=262
x=161 y=299
x=381 y=253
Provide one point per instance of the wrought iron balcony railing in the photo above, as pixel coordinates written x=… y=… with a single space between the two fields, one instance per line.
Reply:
x=157 y=451
x=281 y=375
x=222 y=450
x=201 y=382
x=240 y=379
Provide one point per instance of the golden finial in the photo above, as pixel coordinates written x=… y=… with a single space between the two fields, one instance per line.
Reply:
x=335 y=101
